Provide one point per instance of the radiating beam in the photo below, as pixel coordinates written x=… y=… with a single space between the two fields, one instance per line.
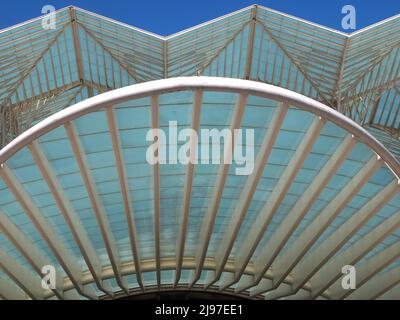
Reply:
x=296 y=251
x=9 y=291
x=180 y=246
x=282 y=291
x=300 y=208
x=332 y=271
x=260 y=287
x=63 y=255
x=392 y=294
x=28 y=250
x=225 y=280
x=123 y=182
x=377 y=286
x=250 y=186
x=367 y=270
x=261 y=223
x=155 y=124
x=98 y=209
x=245 y=281
x=21 y=276
x=210 y=215
x=318 y=257
x=75 y=225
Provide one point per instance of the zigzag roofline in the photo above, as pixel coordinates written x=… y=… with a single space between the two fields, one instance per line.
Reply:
x=374 y=25
x=328 y=65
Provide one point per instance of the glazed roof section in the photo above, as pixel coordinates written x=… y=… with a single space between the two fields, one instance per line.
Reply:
x=77 y=192
x=86 y=52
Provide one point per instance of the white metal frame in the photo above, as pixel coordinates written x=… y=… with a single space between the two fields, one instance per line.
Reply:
x=248 y=274
x=341 y=64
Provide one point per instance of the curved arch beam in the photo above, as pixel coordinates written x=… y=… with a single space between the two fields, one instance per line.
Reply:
x=241 y=271
x=207 y=83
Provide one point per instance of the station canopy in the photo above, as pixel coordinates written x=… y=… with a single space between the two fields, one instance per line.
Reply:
x=77 y=193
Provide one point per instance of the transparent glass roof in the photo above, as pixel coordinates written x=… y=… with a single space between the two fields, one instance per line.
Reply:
x=77 y=192
x=352 y=73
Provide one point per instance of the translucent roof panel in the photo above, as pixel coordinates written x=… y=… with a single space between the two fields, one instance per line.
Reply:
x=78 y=191
x=348 y=72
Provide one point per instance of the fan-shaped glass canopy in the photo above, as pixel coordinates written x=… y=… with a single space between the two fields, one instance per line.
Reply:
x=77 y=193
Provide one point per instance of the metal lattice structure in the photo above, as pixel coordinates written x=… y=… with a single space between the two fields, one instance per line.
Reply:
x=44 y=71
x=77 y=193
x=316 y=201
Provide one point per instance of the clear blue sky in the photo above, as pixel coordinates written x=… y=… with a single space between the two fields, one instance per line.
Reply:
x=169 y=16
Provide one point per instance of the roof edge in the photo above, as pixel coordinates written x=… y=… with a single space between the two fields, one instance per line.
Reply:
x=191 y=83
x=21 y=24
x=167 y=37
